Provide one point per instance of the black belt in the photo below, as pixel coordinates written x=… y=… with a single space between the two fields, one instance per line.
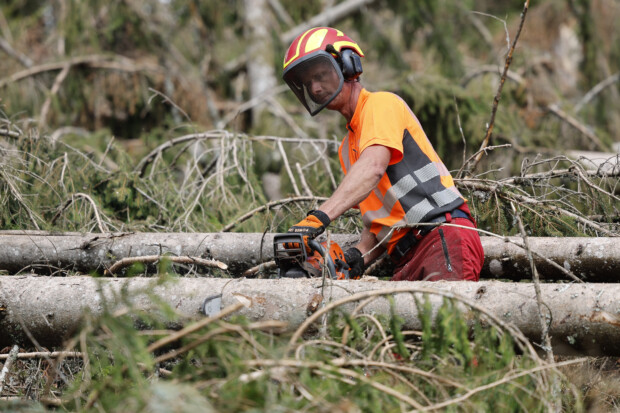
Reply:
x=414 y=235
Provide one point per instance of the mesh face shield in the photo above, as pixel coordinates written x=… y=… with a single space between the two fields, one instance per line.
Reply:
x=316 y=80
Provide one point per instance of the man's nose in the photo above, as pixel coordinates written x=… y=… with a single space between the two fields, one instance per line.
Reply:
x=315 y=87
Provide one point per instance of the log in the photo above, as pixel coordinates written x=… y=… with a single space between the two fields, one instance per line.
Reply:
x=584 y=318
x=603 y=162
x=591 y=259
x=38 y=250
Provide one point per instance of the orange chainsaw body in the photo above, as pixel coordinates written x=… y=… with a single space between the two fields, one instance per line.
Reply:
x=296 y=260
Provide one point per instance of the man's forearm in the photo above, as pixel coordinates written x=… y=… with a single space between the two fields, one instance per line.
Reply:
x=362 y=178
x=368 y=246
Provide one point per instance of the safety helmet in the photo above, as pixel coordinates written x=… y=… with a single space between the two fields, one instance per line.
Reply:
x=317 y=64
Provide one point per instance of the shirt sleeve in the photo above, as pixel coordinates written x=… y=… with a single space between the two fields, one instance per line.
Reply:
x=382 y=123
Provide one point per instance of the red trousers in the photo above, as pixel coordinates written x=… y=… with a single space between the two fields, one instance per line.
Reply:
x=445 y=253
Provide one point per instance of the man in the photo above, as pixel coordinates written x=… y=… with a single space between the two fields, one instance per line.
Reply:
x=392 y=173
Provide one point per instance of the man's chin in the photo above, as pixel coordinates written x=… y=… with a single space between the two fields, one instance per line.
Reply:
x=320 y=100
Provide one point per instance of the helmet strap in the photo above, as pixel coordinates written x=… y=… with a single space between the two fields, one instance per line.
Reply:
x=331 y=49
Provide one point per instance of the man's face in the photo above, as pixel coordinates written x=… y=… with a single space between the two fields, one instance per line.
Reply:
x=321 y=81
x=315 y=80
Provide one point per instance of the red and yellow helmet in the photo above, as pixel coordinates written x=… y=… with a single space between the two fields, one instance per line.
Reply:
x=317 y=63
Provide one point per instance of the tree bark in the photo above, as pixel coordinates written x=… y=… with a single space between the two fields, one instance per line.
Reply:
x=261 y=74
x=591 y=259
x=583 y=317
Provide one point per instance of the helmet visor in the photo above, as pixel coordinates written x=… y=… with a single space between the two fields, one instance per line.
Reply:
x=316 y=80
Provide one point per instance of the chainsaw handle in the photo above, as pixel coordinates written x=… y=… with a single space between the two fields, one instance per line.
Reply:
x=316 y=246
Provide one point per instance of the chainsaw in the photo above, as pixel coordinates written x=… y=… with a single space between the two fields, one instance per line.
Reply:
x=294 y=261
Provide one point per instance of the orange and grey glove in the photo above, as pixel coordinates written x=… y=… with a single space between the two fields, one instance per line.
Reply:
x=355 y=261
x=313 y=225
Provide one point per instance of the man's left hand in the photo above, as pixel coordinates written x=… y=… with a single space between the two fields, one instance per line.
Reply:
x=355 y=260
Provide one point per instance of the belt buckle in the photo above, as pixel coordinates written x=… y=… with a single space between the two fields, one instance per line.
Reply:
x=399 y=253
x=403 y=246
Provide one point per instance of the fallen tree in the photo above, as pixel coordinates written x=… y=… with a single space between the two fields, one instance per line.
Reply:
x=589 y=259
x=583 y=318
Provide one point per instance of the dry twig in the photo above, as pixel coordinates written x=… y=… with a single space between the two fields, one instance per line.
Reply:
x=495 y=188
x=151 y=156
x=17 y=55
x=470 y=168
x=19 y=198
x=168 y=100
x=517 y=78
x=9 y=133
x=149 y=259
x=544 y=325
x=327 y=16
x=302 y=178
x=194 y=327
x=504 y=380
x=7 y=366
x=53 y=92
x=555 y=109
x=97 y=61
x=598 y=88
x=265 y=266
x=339 y=373
x=102 y=227
x=269 y=325
x=44 y=354
x=269 y=205
x=287 y=166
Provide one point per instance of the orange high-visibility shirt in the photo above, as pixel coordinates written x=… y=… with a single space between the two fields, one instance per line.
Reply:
x=416 y=186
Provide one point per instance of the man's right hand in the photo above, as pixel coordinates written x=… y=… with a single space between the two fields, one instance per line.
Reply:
x=313 y=225
x=310 y=227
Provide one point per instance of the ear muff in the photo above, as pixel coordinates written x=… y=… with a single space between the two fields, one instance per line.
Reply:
x=351 y=64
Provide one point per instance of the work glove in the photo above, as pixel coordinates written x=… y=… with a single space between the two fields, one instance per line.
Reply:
x=311 y=227
x=355 y=261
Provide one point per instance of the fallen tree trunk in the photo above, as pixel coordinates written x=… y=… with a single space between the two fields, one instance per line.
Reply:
x=583 y=317
x=591 y=259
